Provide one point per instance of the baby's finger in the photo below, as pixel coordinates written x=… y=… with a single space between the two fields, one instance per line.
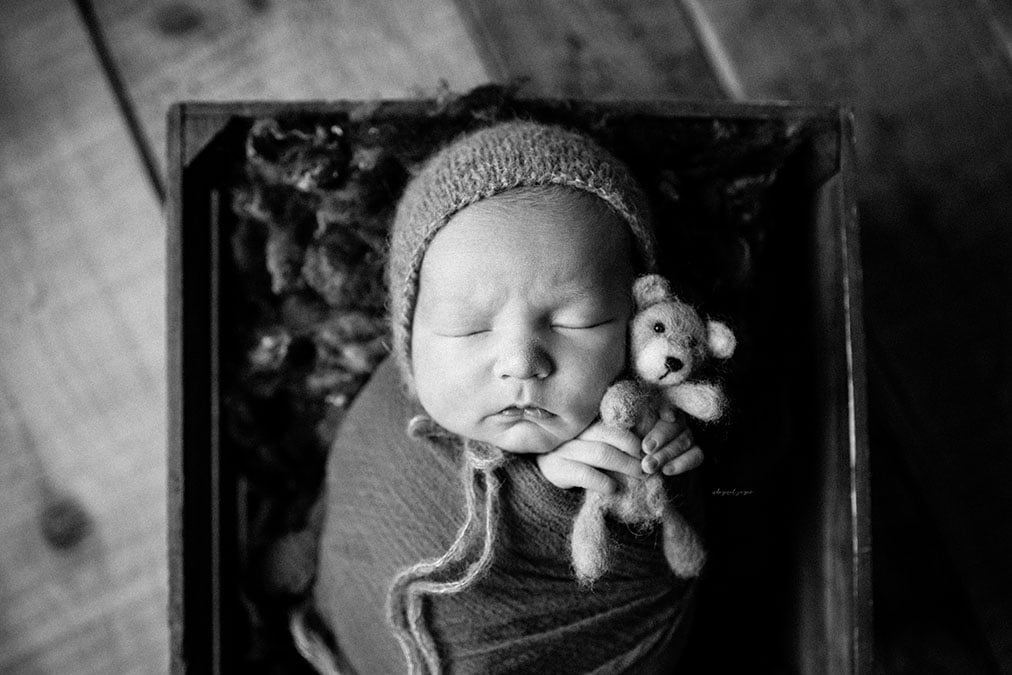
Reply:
x=600 y=455
x=566 y=473
x=670 y=451
x=622 y=439
x=662 y=433
x=669 y=414
x=589 y=478
x=658 y=436
x=648 y=422
x=684 y=462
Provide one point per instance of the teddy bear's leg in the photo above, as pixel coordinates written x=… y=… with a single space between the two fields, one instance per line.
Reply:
x=657 y=496
x=590 y=540
x=682 y=546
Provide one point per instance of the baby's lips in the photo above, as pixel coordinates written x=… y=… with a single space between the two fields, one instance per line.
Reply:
x=531 y=411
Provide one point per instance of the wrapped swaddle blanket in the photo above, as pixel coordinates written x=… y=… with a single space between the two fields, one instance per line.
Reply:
x=393 y=501
x=445 y=555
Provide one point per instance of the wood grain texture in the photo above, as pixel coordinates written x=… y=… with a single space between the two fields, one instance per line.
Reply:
x=590 y=48
x=299 y=49
x=82 y=374
x=932 y=84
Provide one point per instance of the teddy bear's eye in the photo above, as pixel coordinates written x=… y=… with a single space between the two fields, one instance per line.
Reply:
x=658 y=327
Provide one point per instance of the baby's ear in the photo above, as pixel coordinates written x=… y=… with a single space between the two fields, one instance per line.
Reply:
x=720 y=339
x=650 y=289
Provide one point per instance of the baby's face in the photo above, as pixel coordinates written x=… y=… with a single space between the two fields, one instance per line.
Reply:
x=520 y=323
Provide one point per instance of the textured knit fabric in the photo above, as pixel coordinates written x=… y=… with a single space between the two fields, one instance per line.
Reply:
x=486 y=163
x=393 y=500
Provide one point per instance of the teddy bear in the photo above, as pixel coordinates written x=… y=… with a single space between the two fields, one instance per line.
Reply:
x=668 y=343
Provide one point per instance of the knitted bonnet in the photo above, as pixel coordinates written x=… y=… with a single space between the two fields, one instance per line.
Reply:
x=488 y=162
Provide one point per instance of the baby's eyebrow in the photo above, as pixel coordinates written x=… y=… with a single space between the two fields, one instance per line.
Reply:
x=471 y=295
x=581 y=291
x=458 y=299
x=477 y=301
x=457 y=307
x=578 y=293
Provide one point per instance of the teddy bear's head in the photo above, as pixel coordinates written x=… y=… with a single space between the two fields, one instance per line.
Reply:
x=668 y=339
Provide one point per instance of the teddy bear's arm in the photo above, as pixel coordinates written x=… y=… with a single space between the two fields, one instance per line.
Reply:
x=699 y=399
x=624 y=403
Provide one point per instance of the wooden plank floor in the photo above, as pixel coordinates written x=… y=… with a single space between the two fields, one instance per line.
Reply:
x=81 y=320
x=81 y=248
x=82 y=411
x=590 y=49
x=303 y=49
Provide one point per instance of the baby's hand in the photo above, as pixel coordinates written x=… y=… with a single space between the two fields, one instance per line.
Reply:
x=586 y=461
x=669 y=446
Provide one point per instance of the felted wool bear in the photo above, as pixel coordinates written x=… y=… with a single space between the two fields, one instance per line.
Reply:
x=668 y=342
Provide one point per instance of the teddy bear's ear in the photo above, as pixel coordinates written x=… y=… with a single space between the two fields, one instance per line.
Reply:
x=650 y=289
x=720 y=339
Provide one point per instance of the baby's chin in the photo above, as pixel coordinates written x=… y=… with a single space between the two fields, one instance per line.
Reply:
x=527 y=438
x=531 y=436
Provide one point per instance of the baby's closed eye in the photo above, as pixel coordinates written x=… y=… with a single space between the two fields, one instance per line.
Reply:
x=460 y=323
x=583 y=315
x=462 y=332
x=577 y=323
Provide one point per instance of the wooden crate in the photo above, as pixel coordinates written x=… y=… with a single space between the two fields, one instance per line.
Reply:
x=757 y=223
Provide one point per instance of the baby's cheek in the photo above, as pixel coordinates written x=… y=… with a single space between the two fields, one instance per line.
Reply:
x=434 y=361
x=609 y=361
x=597 y=371
x=585 y=401
x=431 y=374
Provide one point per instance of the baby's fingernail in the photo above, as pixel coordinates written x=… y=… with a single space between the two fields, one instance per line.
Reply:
x=649 y=445
x=650 y=465
x=668 y=415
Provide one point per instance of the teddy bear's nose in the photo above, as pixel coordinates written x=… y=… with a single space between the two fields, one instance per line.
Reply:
x=673 y=364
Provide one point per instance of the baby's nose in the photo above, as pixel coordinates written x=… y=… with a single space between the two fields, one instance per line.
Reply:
x=523 y=361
